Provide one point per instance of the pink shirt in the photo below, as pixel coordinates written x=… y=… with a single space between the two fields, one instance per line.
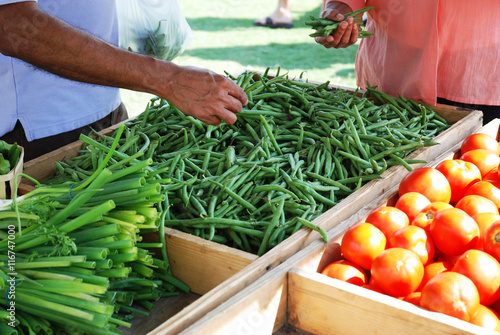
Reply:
x=424 y=49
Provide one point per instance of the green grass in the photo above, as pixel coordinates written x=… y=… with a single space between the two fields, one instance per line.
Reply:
x=225 y=40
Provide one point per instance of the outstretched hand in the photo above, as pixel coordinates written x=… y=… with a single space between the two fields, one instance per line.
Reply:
x=207 y=96
x=347 y=32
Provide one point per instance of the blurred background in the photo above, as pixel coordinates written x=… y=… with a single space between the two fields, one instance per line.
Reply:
x=226 y=40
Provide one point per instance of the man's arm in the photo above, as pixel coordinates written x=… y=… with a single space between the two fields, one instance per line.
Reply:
x=28 y=33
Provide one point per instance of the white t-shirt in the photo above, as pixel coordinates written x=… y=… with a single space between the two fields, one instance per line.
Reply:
x=47 y=104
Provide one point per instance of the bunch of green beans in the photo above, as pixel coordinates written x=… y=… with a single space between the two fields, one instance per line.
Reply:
x=325 y=27
x=296 y=150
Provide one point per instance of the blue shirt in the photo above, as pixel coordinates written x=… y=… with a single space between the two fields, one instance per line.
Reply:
x=46 y=104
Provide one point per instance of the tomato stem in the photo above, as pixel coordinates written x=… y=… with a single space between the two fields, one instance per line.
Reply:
x=497 y=237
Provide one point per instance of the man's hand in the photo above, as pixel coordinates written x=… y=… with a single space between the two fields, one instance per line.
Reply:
x=205 y=95
x=346 y=34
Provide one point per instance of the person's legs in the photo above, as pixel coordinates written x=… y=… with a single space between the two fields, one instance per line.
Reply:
x=280 y=18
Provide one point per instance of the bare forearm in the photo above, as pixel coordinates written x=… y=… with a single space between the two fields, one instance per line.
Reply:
x=50 y=44
x=46 y=42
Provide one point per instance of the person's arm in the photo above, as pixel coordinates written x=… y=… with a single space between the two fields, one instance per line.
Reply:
x=347 y=32
x=28 y=33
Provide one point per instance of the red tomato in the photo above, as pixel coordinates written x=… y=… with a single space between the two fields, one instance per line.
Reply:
x=492 y=176
x=495 y=306
x=480 y=141
x=414 y=298
x=388 y=219
x=433 y=269
x=452 y=294
x=485 y=160
x=475 y=204
x=414 y=239
x=460 y=175
x=452 y=259
x=412 y=203
x=372 y=286
x=484 y=271
x=426 y=215
x=487 y=318
x=427 y=181
x=397 y=271
x=491 y=240
x=484 y=220
x=485 y=189
x=495 y=183
x=346 y=271
x=362 y=243
x=454 y=231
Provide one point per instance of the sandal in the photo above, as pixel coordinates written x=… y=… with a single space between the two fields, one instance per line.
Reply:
x=271 y=24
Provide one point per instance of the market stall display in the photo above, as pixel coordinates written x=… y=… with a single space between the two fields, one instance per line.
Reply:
x=143 y=137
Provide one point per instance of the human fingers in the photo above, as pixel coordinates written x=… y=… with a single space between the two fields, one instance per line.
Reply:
x=211 y=120
x=345 y=34
x=345 y=31
x=334 y=16
x=227 y=116
x=325 y=41
x=239 y=95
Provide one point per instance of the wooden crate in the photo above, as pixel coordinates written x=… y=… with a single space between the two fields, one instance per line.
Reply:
x=197 y=262
x=295 y=298
x=8 y=181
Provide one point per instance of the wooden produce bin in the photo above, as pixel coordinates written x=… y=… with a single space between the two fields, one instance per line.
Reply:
x=8 y=181
x=294 y=298
x=217 y=273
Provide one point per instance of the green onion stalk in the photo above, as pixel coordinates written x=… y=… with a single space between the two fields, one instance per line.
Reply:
x=71 y=258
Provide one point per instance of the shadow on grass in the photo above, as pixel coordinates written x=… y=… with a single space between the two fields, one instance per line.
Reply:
x=219 y=24
x=291 y=56
x=304 y=54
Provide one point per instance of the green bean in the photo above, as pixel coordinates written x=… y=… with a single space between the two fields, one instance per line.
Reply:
x=268 y=188
x=235 y=196
x=312 y=226
x=274 y=221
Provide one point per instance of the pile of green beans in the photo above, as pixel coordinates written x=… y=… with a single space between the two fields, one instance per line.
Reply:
x=325 y=27
x=296 y=150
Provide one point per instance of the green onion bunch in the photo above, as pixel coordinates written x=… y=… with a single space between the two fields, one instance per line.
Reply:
x=71 y=253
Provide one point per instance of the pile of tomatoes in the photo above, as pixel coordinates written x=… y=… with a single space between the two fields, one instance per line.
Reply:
x=438 y=246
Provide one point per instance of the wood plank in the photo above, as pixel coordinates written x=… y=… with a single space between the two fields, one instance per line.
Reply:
x=164 y=308
x=259 y=311
x=322 y=305
x=200 y=263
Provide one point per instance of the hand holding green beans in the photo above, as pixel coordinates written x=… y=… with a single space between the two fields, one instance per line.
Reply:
x=334 y=29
